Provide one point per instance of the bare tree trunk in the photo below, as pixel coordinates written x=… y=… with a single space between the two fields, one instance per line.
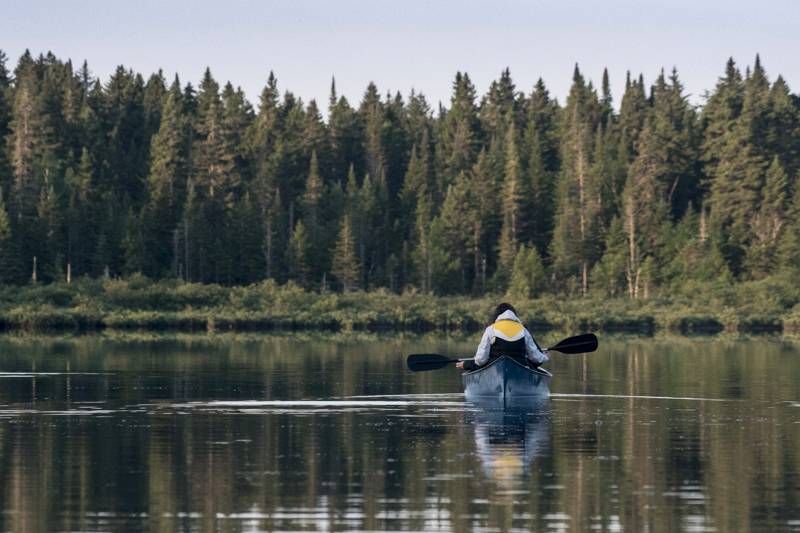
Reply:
x=584 y=278
x=268 y=247
x=428 y=267
x=186 y=250
x=582 y=213
x=632 y=273
x=703 y=228
x=476 y=252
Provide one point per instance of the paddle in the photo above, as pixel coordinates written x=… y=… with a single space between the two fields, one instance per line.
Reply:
x=420 y=362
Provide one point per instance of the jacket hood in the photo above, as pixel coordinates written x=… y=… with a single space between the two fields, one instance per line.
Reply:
x=508 y=315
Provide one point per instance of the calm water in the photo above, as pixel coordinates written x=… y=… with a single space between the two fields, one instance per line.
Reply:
x=331 y=433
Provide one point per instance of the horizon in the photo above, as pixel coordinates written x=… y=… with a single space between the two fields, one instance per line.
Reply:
x=419 y=47
x=594 y=81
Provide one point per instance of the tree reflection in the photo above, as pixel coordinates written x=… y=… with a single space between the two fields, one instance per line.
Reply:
x=131 y=438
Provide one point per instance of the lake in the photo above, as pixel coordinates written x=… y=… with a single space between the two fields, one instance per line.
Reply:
x=330 y=432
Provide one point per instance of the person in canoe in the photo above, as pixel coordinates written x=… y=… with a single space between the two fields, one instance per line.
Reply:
x=506 y=336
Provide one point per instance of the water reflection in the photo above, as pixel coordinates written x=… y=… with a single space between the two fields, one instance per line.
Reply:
x=294 y=433
x=508 y=439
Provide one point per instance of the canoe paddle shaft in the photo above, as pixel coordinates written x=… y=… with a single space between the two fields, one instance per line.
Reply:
x=420 y=362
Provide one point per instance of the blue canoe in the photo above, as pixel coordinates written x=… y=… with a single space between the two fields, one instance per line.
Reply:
x=505 y=379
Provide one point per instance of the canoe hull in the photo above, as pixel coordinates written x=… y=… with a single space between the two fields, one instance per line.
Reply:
x=505 y=379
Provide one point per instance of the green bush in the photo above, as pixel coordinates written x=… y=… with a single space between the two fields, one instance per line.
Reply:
x=139 y=303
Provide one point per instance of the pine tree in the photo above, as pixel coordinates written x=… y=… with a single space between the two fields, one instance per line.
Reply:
x=298 y=260
x=632 y=115
x=645 y=208
x=217 y=184
x=421 y=237
x=459 y=134
x=528 y=276
x=133 y=245
x=265 y=153
x=610 y=274
x=166 y=185
x=48 y=249
x=9 y=269
x=456 y=228
x=789 y=244
x=541 y=133
x=372 y=115
x=346 y=267
x=126 y=149
x=498 y=108
x=541 y=183
x=5 y=119
x=507 y=247
x=81 y=216
x=735 y=186
x=485 y=218
x=606 y=100
x=312 y=212
x=312 y=197
x=768 y=223
x=515 y=193
x=719 y=117
x=345 y=136
x=575 y=246
x=783 y=135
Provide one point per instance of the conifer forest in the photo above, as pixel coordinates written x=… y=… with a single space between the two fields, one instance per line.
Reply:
x=512 y=191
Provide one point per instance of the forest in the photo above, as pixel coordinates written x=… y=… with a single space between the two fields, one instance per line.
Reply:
x=511 y=192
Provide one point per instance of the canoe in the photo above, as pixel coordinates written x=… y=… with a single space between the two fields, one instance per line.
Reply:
x=505 y=379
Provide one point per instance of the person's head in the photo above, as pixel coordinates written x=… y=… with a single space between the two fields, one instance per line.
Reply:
x=502 y=308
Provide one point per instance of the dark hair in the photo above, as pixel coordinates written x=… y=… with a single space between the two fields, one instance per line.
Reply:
x=502 y=308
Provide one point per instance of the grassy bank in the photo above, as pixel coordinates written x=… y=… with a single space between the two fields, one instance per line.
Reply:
x=140 y=304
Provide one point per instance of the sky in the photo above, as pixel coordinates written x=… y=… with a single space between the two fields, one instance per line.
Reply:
x=410 y=44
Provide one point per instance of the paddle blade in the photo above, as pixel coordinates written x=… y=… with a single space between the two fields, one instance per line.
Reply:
x=419 y=362
x=578 y=344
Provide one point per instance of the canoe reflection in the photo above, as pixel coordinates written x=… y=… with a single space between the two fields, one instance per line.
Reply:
x=508 y=439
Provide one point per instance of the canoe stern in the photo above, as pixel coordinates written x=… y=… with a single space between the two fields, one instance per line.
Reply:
x=505 y=378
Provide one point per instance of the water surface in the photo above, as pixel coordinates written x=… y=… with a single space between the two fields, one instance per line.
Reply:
x=312 y=432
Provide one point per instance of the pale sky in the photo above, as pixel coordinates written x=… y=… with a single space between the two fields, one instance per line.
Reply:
x=410 y=44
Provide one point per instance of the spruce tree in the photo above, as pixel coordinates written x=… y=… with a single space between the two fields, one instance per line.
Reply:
x=457 y=230
x=575 y=247
x=609 y=275
x=645 y=209
x=9 y=270
x=789 y=244
x=5 y=119
x=346 y=267
x=528 y=276
x=768 y=223
x=719 y=117
x=345 y=136
x=498 y=108
x=312 y=212
x=783 y=135
x=459 y=135
x=298 y=255
x=735 y=188
x=632 y=114
x=166 y=185
x=48 y=249
x=515 y=193
x=30 y=148
x=371 y=113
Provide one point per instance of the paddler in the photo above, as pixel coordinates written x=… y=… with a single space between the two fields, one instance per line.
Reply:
x=506 y=336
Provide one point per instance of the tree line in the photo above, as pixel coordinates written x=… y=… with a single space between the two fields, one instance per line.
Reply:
x=511 y=191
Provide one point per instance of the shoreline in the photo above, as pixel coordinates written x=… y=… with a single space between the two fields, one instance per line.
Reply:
x=139 y=304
